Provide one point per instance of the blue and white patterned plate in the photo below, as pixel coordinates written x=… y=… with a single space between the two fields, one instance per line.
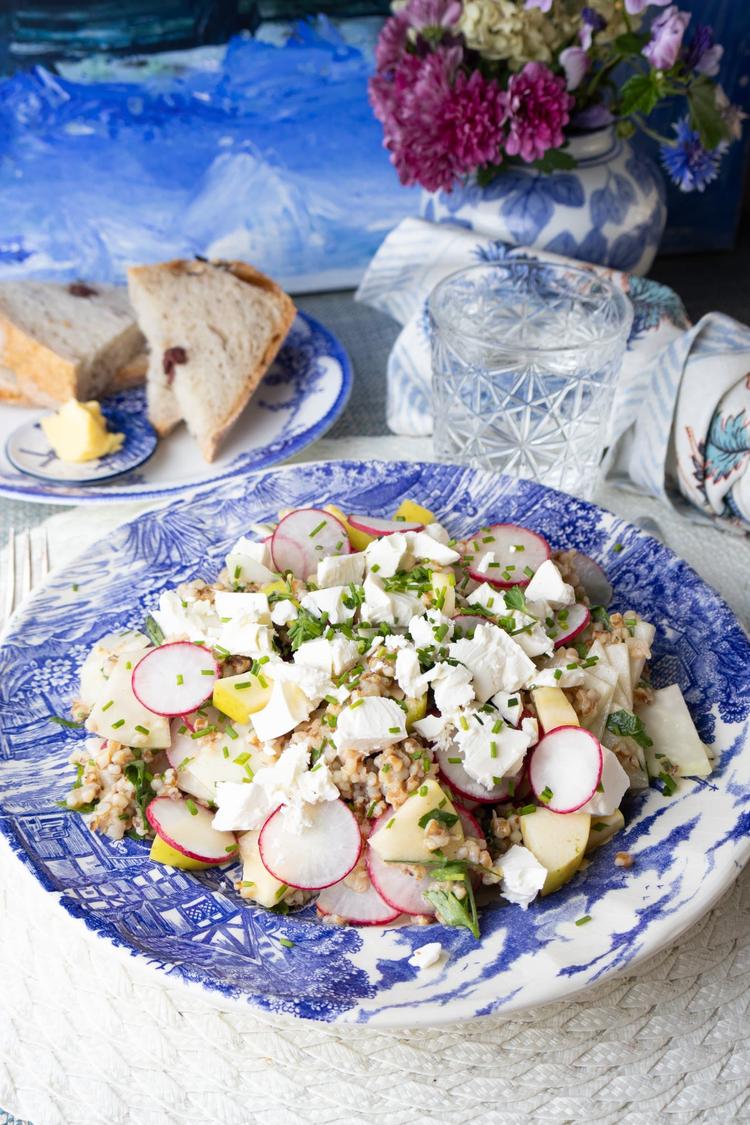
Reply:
x=298 y=399
x=687 y=848
x=29 y=451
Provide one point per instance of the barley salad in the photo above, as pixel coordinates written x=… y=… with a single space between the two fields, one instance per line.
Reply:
x=369 y=711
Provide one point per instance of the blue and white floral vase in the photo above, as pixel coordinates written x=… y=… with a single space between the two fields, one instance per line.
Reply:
x=610 y=209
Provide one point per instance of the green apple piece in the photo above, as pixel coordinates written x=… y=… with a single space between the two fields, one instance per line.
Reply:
x=162 y=852
x=603 y=828
x=416 y=709
x=118 y=715
x=558 y=840
x=241 y=696
x=553 y=708
x=258 y=883
x=444 y=591
x=401 y=837
x=672 y=731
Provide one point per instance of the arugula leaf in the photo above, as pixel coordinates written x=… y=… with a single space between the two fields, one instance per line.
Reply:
x=440 y=815
x=153 y=630
x=627 y=725
x=307 y=627
x=68 y=723
x=453 y=911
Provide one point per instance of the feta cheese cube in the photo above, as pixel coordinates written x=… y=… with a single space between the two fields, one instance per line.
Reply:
x=452 y=687
x=178 y=618
x=332 y=657
x=547 y=585
x=389 y=553
x=424 y=546
x=427 y=955
x=437 y=531
x=341 y=570
x=488 y=598
x=253 y=607
x=523 y=876
x=370 y=724
x=287 y=707
x=409 y=676
x=496 y=662
x=284 y=611
x=381 y=605
x=434 y=728
x=314 y=682
x=330 y=601
x=241 y=636
x=489 y=754
x=509 y=705
x=423 y=629
x=533 y=640
x=250 y=563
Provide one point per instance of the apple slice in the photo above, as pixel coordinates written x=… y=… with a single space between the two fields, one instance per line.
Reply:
x=403 y=836
x=377 y=527
x=318 y=855
x=256 y=881
x=565 y=768
x=603 y=828
x=558 y=842
x=553 y=708
x=305 y=536
x=186 y=827
x=175 y=678
x=242 y=695
x=518 y=553
x=456 y=777
x=410 y=510
x=361 y=908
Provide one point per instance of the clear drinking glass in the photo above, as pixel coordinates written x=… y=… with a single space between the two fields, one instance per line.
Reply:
x=524 y=360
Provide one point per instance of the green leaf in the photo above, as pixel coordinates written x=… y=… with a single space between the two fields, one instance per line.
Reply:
x=705 y=117
x=554 y=160
x=640 y=94
x=514 y=598
x=440 y=815
x=153 y=630
x=307 y=627
x=453 y=911
x=631 y=43
x=600 y=615
x=67 y=723
x=627 y=725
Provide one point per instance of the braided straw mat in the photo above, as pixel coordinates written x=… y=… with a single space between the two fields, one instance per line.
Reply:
x=92 y=1036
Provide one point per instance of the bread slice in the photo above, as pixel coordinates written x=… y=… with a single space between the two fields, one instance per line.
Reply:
x=65 y=341
x=15 y=393
x=213 y=330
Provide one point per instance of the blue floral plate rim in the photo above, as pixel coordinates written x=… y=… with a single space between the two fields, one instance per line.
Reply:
x=337 y=377
x=688 y=848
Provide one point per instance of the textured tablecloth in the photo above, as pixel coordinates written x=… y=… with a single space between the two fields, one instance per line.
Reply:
x=91 y=1036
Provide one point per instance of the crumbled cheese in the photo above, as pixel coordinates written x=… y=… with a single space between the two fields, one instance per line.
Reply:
x=437 y=531
x=341 y=570
x=533 y=640
x=427 y=955
x=409 y=676
x=495 y=660
x=530 y=727
x=250 y=562
x=381 y=605
x=614 y=784
x=370 y=724
x=388 y=554
x=434 y=728
x=332 y=657
x=424 y=546
x=253 y=607
x=182 y=617
x=313 y=681
x=558 y=676
x=451 y=687
x=424 y=629
x=288 y=782
x=243 y=637
x=523 y=876
x=487 y=564
x=547 y=585
x=284 y=611
x=489 y=754
x=509 y=705
x=287 y=707
x=488 y=598
x=330 y=601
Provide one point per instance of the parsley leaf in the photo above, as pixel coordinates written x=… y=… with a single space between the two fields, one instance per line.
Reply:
x=454 y=911
x=627 y=725
x=440 y=815
x=514 y=598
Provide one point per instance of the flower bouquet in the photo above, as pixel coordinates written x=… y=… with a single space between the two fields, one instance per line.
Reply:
x=468 y=87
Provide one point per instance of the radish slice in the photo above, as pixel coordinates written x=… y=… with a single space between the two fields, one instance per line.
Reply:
x=404 y=892
x=187 y=828
x=469 y=823
x=373 y=525
x=363 y=908
x=175 y=678
x=565 y=769
x=464 y=624
x=593 y=579
x=321 y=854
x=460 y=782
x=577 y=618
x=503 y=541
x=303 y=538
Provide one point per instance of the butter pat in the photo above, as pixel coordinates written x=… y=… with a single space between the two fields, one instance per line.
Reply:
x=78 y=432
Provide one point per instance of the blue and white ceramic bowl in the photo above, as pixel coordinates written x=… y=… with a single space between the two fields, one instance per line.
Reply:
x=29 y=451
x=298 y=399
x=687 y=848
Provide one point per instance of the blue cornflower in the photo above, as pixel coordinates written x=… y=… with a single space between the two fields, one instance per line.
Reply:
x=688 y=163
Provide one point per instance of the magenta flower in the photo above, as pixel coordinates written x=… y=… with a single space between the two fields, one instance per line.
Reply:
x=538 y=110
x=439 y=123
x=667 y=33
x=391 y=42
x=436 y=14
x=575 y=62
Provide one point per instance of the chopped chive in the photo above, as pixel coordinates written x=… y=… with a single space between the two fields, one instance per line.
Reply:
x=207 y=672
x=617 y=548
x=180 y=679
x=493 y=749
x=237 y=572
x=128 y=664
x=192 y=808
x=230 y=848
x=107 y=705
x=391 y=822
x=375 y=568
x=497 y=726
x=244 y=684
x=225 y=751
x=463 y=722
x=242 y=758
x=518 y=547
x=371 y=808
x=582 y=921
x=246 y=883
x=281 y=892
x=315 y=530
x=286 y=942
x=454 y=761
x=231 y=732
x=546 y=794
x=182 y=729
x=526 y=810
x=423 y=791
x=118 y=724
x=356 y=703
x=512 y=703
x=203 y=733
x=558 y=673
x=394 y=730
x=528 y=572
x=142 y=730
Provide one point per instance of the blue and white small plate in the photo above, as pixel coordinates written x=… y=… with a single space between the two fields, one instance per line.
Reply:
x=687 y=849
x=298 y=399
x=29 y=451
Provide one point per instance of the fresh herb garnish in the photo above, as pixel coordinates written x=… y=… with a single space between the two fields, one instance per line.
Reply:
x=600 y=615
x=514 y=598
x=306 y=627
x=153 y=630
x=440 y=815
x=67 y=723
x=627 y=725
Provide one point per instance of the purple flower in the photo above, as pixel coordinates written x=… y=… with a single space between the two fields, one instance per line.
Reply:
x=439 y=123
x=667 y=32
x=391 y=42
x=591 y=22
x=421 y=16
x=538 y=110
x=688 y=163
x=703 y=54
x=437 y=14
x=575 y=62
x=543 y=5
x=635 y=7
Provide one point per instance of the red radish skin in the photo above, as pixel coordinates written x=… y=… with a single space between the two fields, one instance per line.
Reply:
x=456 y=777
x=578 y=619
x=190 y=833
x=594 y=580
x=175 y=678
x=373 y=525
x=402 y=891
x=365 y=908
x=304 y=537
x=505 y=536
x=567 y=763
x=317 y=856
x=467 y=623
x=469 y=823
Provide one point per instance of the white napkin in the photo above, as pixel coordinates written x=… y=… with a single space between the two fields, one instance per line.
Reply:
x=680 y=419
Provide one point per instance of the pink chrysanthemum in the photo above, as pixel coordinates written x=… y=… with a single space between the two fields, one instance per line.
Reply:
x=391 y=42
x=435 y=18
x=439 y=123
x=538 y=110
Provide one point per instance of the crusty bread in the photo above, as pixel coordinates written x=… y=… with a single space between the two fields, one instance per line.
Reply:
x=133 y=374
x=15 y=393
x=213 y=330
x=65 y=341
